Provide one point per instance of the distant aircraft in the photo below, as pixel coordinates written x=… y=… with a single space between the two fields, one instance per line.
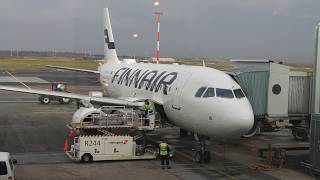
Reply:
x=203 y=100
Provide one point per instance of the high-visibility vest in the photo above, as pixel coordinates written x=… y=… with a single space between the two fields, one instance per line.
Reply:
x=163 y=149
x=147 y=107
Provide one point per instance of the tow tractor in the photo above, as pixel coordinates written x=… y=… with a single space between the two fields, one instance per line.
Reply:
x=55 y=86
x=110 y=133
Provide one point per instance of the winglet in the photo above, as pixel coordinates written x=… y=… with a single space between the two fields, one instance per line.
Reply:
x=110 y=53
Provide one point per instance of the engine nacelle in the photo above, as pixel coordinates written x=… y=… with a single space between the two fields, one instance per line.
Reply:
x=84 y=114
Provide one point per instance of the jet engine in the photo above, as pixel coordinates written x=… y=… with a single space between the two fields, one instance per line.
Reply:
x=84 y=114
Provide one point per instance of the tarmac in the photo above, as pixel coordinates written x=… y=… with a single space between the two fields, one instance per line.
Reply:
x=34 y=134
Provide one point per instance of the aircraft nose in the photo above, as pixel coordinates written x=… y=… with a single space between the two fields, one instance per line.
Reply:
x=243 y=118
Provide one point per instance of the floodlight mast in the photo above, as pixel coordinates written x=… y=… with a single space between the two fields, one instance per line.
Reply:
x=158 y=14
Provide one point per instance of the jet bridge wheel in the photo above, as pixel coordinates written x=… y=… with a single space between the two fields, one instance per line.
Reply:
x=300 y=133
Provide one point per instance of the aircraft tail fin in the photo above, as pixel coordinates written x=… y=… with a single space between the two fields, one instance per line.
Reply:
x=110 y=53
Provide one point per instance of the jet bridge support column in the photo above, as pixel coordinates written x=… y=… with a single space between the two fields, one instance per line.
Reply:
x=316 y=75
x=315 y=110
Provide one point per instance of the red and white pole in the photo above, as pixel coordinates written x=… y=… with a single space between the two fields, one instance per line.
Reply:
x=158 y=14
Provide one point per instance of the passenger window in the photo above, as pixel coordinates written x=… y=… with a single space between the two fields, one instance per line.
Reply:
x=209 y=93
x=238 y=93
x=200 y=92
x=225 y=93
x=3 y=168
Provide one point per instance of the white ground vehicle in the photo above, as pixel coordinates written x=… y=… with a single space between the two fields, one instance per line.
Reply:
x=6 y=166
x=110 y=133
x=107 y=147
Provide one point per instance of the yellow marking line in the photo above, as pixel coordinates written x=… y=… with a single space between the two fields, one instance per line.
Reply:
x=210 y=168
x=18 y=80
x=45 y=112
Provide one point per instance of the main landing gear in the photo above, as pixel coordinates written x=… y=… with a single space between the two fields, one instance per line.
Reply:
x=201 y=155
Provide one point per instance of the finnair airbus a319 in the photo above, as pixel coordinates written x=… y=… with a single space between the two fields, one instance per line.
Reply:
x=203 y=100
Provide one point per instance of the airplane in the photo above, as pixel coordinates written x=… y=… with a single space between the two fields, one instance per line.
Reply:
x=203 y=100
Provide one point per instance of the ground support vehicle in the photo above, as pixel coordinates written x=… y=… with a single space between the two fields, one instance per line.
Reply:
x=7 y=166
x=55 y=86
x=116 y=133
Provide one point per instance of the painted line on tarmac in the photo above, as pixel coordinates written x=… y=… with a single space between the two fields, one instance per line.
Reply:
x=54 y=112
x=209 y=167
x=18 y=97
x=19 y=101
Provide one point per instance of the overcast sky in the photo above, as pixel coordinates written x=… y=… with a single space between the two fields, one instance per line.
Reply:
x=260 y=29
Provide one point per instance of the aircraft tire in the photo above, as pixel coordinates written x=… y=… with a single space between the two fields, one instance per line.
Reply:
x=45 y=100
x=87 y=158
x=206 y=157
x=183 y=133
x=198 y=157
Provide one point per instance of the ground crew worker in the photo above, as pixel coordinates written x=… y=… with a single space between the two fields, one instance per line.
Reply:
x=164 y=151
x=147 y=108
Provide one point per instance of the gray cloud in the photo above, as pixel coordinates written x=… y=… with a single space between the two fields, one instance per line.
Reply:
x=280 y=29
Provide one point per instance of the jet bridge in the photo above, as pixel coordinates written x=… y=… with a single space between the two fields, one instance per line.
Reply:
x=280 y=96
x=111 y=133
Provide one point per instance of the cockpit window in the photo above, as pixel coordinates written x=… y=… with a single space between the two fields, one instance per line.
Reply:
x=200 y=92
x=238 y=93
x=209 y=93
x=225 y=93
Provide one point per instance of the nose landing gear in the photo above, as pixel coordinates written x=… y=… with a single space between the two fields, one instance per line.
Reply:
x=201 y=155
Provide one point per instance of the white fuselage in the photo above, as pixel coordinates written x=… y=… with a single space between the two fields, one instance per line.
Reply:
x=174 y=87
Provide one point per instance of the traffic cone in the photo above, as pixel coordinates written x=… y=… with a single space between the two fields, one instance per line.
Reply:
x=66 y=145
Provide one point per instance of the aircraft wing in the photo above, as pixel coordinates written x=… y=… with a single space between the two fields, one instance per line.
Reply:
x=137 y=99
x=74 y=69
x=106 y=100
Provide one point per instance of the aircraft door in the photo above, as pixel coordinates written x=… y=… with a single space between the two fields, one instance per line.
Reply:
x=177 y=90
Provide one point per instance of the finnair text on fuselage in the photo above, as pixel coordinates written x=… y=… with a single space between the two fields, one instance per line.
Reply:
x=152 y=80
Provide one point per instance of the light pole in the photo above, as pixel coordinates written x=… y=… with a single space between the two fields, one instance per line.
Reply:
x=158 y=14
x=135 y=36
